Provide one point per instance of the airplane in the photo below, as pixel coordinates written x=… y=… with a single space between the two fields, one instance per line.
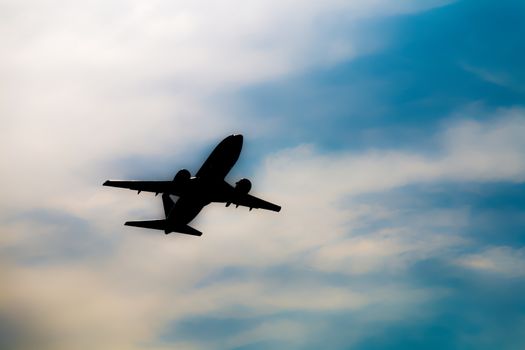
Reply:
x=195 y=192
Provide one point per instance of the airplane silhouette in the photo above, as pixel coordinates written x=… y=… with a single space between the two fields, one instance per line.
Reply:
x=194 y=193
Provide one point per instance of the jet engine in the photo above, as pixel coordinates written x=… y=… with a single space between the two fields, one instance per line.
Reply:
x=182 y=176
x=243 y=186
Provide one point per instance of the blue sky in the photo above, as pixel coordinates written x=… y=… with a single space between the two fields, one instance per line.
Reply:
x=435 y=63
x=390 y=132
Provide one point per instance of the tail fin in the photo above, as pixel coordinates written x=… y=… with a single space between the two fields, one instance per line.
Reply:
x=168 y=203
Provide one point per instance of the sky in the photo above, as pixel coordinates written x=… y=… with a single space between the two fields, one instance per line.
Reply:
x=391 y=133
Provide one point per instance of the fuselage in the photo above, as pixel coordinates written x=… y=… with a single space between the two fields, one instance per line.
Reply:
x=208 y=184
x=222 y=158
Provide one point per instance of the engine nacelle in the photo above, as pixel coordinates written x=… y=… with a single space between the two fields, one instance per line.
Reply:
x=243 y=186
x=182 y=176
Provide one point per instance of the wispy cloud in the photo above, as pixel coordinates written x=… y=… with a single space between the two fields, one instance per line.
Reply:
x=504 y=261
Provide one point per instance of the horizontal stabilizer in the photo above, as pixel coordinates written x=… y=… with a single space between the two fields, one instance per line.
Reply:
x=161 y=225
x=153 y=224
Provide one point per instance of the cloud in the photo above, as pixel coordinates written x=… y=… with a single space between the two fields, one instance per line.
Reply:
x=196 y=42
x=73 y=306
x=504 y=261
x=486 y=75
x=87 y=83
x=127 y=295
x=470 y=150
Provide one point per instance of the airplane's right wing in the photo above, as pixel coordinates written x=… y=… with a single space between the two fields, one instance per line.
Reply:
x=247 y=200
x=146 y=186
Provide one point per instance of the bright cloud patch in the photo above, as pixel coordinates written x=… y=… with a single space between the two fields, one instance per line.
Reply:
x=500 y=260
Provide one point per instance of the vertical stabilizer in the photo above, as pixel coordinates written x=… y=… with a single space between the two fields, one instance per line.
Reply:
x=168 y=204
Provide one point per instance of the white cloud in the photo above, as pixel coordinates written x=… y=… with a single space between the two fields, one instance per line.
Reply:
x=197 y=42
x=505 y=261
x=470 y=151
x=487 y=75
x=494 y=76
x=384 y=251
x=85 y=82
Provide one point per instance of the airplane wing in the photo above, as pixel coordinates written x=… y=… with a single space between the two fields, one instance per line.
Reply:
x=247 y=200
x=146 y=186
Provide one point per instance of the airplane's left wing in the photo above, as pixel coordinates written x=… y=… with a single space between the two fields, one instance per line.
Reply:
x=146 y=186
x=247 y=200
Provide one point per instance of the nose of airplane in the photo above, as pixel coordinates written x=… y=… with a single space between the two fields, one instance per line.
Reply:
x=237 y=139
x=232 y=142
